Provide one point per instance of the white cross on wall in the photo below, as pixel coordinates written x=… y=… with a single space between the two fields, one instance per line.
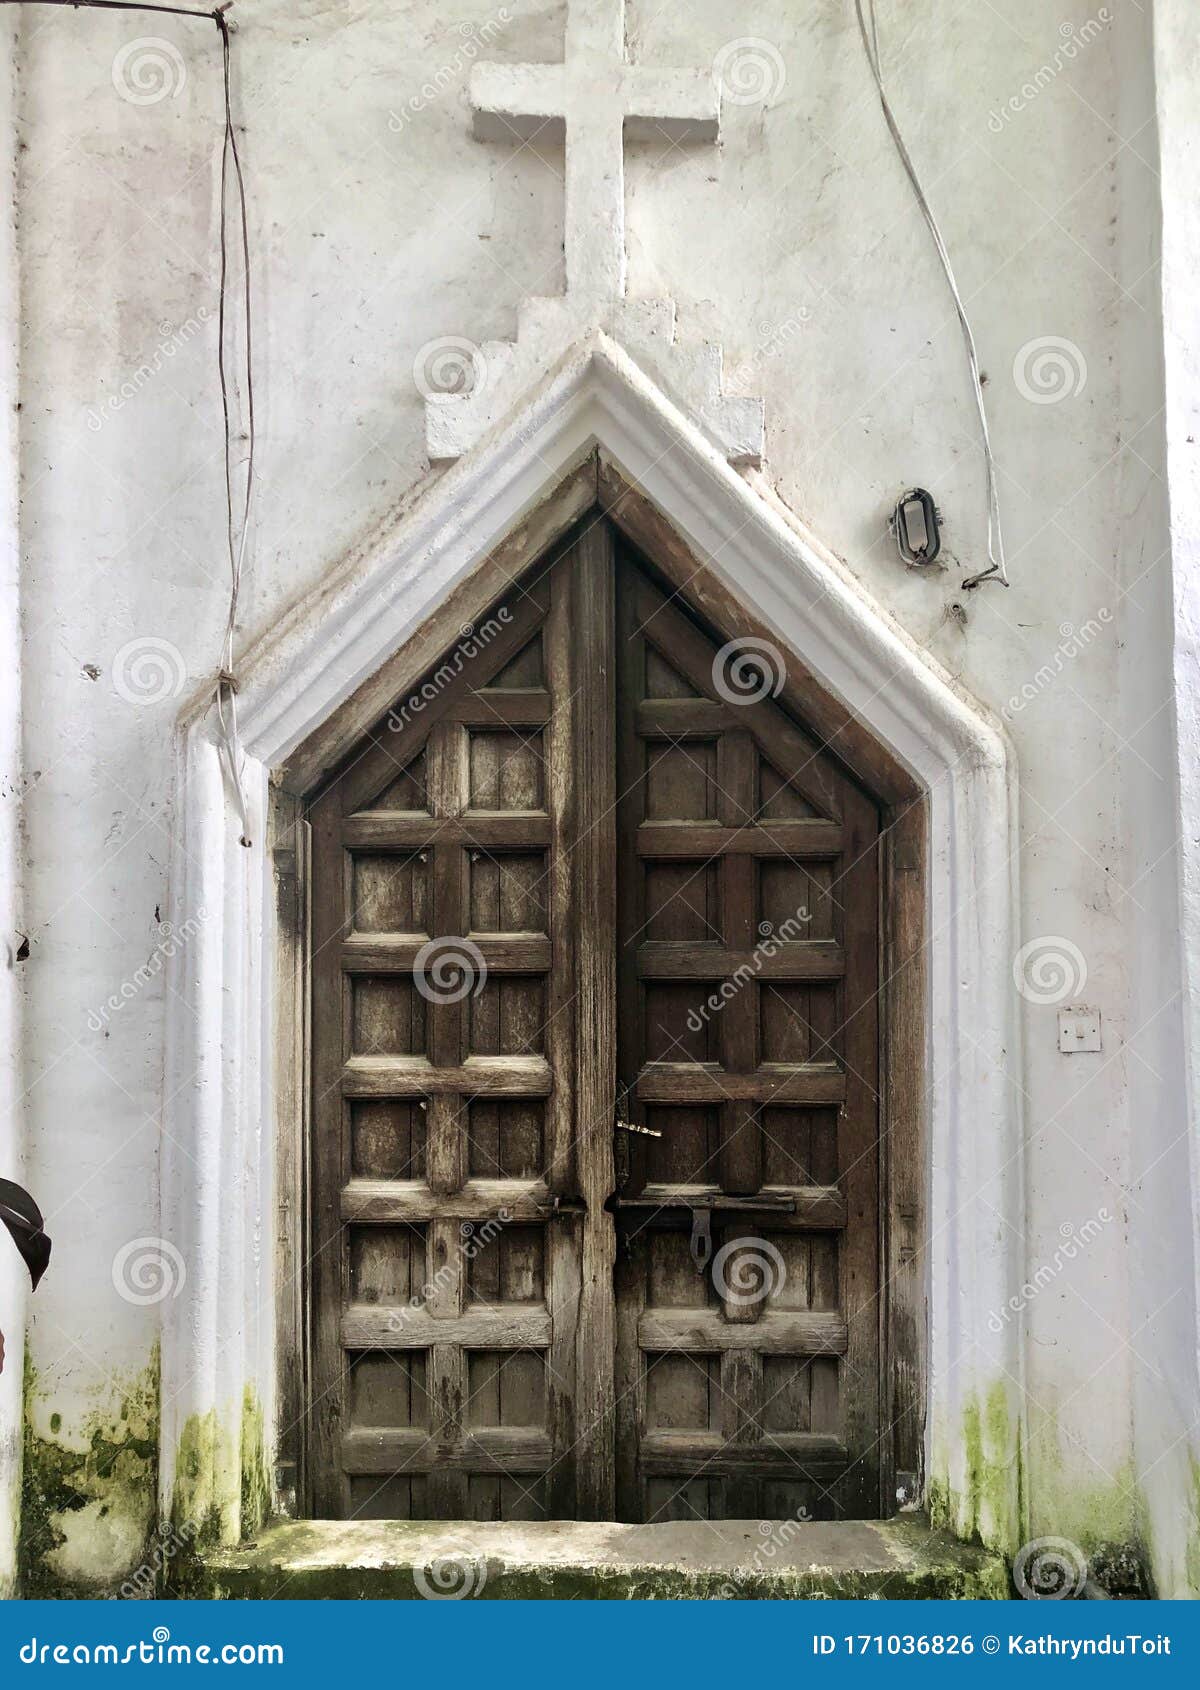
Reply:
x=597 y=98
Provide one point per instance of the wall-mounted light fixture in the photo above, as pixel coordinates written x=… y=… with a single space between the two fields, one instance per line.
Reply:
x=917 y=528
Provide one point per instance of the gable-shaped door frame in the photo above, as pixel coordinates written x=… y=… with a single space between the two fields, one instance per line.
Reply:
x=438 y=713
x=901 y=1320
x=233 y=1179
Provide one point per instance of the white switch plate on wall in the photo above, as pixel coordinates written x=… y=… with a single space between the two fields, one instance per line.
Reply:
x=1078 y=1030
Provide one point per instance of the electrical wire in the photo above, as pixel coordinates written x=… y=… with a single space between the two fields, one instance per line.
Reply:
x=225 y=690
x=997 y=570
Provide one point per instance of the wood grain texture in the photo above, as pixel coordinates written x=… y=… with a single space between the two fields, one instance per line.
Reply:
x=687 y=910
x=592 y=857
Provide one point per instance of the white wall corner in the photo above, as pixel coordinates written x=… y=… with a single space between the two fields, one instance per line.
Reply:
x=13 y=1279
x=1164 y=728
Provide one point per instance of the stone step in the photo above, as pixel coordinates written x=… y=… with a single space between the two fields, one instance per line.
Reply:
x=561 y=1560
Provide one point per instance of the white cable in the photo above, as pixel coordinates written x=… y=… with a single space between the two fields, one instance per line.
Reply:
x=231 y=744
x=997 y=570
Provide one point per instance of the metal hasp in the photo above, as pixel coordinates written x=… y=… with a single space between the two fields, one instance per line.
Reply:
x=701 y=1208
x=701 y=1242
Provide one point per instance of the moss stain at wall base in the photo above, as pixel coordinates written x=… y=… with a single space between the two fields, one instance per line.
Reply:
x=258 y=1491
x=89 y=1503
x=989 y=1506
x=87 y=1512
x=1192 y=1559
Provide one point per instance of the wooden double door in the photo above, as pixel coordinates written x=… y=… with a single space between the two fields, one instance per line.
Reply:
x=595 y=1123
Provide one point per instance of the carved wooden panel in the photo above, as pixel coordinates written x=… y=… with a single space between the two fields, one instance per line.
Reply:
x=447 y=1271
x=576 y=877
x=748 y=1370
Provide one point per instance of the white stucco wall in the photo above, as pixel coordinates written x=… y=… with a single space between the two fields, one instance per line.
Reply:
x=797 y=245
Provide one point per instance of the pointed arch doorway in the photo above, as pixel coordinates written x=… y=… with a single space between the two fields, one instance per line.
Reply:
x=615 y=985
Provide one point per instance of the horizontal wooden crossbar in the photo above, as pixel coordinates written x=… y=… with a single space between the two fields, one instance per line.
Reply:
x=777 y=1082
x=811 y=1208
x=498 y=707
x=787 y=839
x=799 y=959
x=414 y=1076
x=407 y=830
x=707 y=1454
x=777 y=1333
x=396 y=953
x=411 y=1202
x=683 y=718
x=500 y=1449
x=499 y=1326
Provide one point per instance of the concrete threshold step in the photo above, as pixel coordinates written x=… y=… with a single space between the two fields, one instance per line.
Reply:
x=569 y=1560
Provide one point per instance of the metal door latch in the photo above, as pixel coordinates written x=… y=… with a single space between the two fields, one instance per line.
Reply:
x=623 y=1129
x=622 y=1123
x=701 y=1244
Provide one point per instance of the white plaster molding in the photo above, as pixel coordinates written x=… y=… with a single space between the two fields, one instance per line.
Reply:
x=593 y=100
x=218 y=1201
x=14 y=1283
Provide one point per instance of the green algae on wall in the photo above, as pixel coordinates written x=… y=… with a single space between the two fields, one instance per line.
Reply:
x=88 y=1499
x=258 y=1491
x=1192 y=1560
x=989 y=1506
x=222 y=1488
x=1105 y=1520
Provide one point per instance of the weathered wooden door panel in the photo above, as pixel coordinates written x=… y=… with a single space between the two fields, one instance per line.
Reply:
x=450 y=1236
x=748 y=1285
x=575 y=879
